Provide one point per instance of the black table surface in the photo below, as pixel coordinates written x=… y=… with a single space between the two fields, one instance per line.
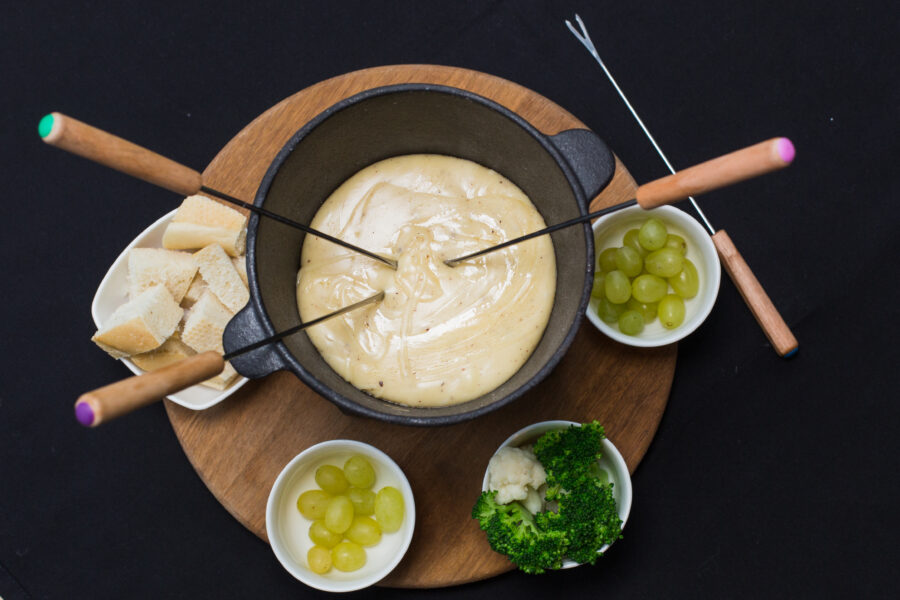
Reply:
x=767 y=477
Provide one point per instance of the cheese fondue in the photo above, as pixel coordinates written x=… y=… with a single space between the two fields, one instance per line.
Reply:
x=443 y=335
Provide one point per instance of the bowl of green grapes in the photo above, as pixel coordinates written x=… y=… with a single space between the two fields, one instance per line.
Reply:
x=340 y=516
x=656 y=276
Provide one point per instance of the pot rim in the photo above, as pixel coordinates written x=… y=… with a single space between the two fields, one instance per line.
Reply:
x=418 y=415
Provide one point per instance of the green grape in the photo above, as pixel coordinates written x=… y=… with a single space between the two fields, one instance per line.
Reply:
x=331 y=479
x=364 y=531
x=652 y=234
x=339 y=514
x=322 y=536
x=629 y=261
x=617 y=287
x=665 y=262
x=607 y=260
x=687 y=283
x=319 y=559
x=312 y=503
x=676 y=242
x=631 y=239
x=359 y=471
x=671 y=311
x=609 y=312
x=389 y=509
x=649 y=288
x=597 y=290
x=363 y=501
x=348 y=556
x=647 y=309
x=631 y=322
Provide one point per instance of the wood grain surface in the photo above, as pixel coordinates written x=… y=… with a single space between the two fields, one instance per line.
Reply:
x=239 y=446
x=126 y=395
x=713 y=174
x=116 y=153
x=770 y=320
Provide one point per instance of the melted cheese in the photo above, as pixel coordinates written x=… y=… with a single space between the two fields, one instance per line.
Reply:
x=442 y=335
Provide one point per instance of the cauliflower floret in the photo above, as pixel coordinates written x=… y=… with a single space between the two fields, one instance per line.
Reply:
x=512 y=471
x=534 y=501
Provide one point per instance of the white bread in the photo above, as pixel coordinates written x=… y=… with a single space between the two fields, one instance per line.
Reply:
x=200 y=221
x=223 y=379
x=240 y=265
x=203 y=331
x=154 y=266
x=172 y=351
x=222 y=278
x=141 y=324
x=193 y=293
x=205 y=324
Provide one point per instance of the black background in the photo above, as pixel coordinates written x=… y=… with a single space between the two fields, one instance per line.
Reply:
x=767 y=477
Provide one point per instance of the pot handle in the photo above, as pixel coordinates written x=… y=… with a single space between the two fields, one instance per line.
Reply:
x=589 y=156
x=246 y=328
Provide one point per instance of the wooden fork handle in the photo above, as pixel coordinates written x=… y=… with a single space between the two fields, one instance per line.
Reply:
x=122 y=397
x=112 y=151
x=755 y=296
x=725 y=170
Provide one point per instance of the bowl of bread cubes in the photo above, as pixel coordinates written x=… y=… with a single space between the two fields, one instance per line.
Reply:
x=171 y=292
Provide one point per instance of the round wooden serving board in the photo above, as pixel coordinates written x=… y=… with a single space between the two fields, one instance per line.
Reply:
x=239 y=446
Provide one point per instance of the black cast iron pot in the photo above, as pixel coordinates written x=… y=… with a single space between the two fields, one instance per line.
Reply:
x=559 y=173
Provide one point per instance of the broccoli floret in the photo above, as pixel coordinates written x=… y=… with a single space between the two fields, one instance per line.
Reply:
x=485 y=508
x=586 y=511
x=587 y=515
x=511 y=530
x=569 y=454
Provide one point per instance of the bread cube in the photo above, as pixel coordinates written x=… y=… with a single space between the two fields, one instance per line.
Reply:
x=201 y=221
x=141 y=324
x=222 y=278
x=155 y=266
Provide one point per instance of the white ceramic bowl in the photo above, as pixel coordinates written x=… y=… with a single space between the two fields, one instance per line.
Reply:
x=609 y=231
x=610 y=461
x=288 y=530
x=113 y=292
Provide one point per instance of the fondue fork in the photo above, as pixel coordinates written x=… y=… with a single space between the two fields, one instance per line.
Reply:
x=719 y=172
x=748 y=285
x=287 y=332
x=122 y=397
x=112 y=151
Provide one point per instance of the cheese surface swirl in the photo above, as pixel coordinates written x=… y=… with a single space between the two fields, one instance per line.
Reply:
x=443 y=335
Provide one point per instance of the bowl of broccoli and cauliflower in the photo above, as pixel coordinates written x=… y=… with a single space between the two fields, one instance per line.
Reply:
x=555 y=495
